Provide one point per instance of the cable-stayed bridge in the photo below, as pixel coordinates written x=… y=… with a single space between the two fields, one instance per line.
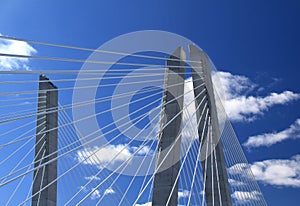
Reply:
x=150 y=130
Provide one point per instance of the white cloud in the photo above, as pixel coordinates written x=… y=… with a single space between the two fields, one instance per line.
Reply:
x=145 y=150
x=189 y=120
x=278 y=172
x=112 y=155
x=15 y=47
x=233 y=91
x=102 y=156
x=247 y=108
x=245 y=197
x=232 y=85
x=239 y=168
x=109 y=191
x=95 y=195
x=235 y=183
x=269 y=139
x=183 y=193
x=92 y=178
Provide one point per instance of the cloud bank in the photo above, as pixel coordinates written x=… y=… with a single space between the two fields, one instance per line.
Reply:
x=275 y=172
x=278 y=172
x=15 y=47
x=239 y=105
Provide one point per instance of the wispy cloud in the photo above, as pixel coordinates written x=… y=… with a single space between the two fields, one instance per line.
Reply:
x=239 y=168
x=15 y=47
x=142 y=151
x=109 y=191
x=95 y=195
x=240 y=106
x=183 y=193
x=278 y=172
x=235 y=183
x=243 y=197
x=268 y=139
x=92 y=178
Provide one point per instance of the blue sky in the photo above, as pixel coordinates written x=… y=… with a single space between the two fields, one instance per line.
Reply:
x=257 y=40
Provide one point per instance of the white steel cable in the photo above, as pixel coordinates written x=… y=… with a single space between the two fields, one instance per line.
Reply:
x=217 y=174
x=59 y=59
x=128 y=128
x=85 y=158
x=51 y=111
x=205 y=167
x=60 y=155
x=35 y=175
x=158 y=166
x=19 y=148
x=97 y=131
x=139 y=149
x=110 y=74
x=212 y=167
x=79 y=104
x=198 y=156
x=20 y=182
x=119 y=152
x=91 y=50
x=183 y=162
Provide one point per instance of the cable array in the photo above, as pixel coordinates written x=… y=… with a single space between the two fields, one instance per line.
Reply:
x=114 y=164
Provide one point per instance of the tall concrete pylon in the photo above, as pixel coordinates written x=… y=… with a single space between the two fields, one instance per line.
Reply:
x=46 y=144
x=217 y=190
x=172 y=114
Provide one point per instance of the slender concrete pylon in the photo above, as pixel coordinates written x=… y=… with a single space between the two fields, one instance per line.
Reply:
x=217 y=190
x=46 y=143
x=164 y=179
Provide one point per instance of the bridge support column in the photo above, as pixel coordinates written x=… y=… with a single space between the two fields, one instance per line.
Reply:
x=217 y=190
x=164 y=179
x=46 y=143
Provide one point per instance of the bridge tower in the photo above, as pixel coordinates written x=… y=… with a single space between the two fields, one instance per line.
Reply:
x=168 y=157
x=217 y=190
x=46 y=144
